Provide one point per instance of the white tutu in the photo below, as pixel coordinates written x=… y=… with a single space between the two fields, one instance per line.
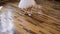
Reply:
x=26 y=4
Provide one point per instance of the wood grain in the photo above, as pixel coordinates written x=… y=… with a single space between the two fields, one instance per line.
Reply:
x=47 y=22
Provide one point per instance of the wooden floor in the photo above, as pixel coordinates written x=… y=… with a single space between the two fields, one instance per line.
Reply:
x=45 y=22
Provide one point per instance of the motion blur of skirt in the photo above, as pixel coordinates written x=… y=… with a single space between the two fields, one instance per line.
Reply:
x=6 y=22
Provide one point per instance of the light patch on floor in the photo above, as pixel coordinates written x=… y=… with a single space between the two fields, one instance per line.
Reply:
x=1 y=7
